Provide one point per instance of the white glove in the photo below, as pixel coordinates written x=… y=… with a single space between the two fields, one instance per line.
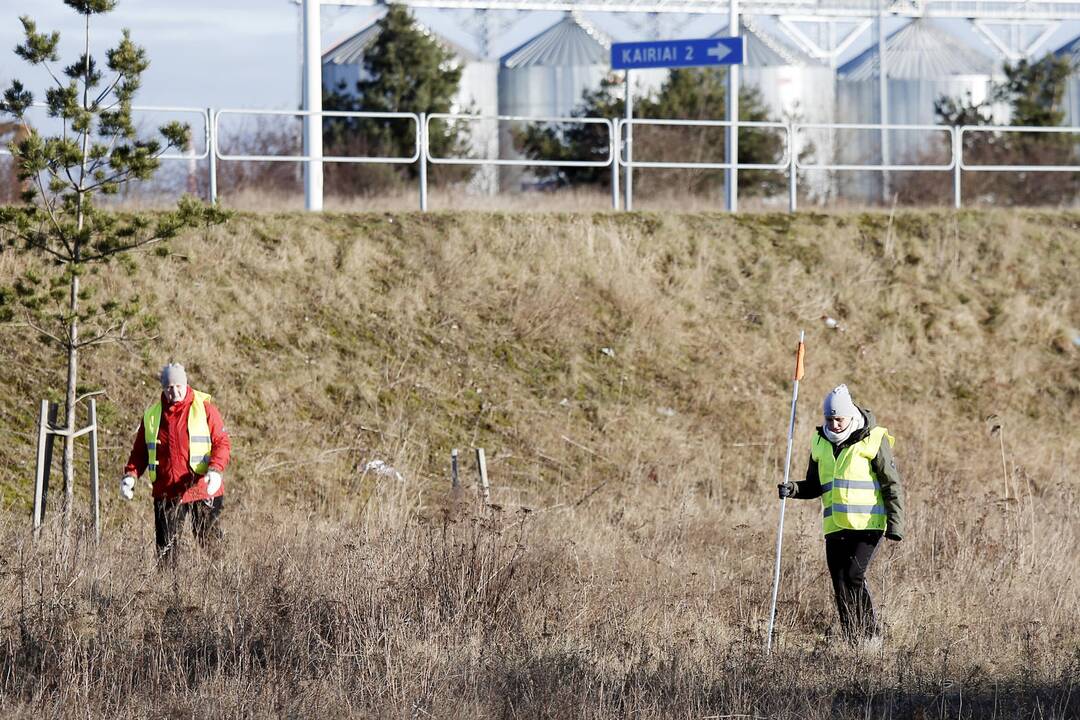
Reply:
x=127 y=486
x=213 y=482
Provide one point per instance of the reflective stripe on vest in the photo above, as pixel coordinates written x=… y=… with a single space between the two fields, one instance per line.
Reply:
x=850 y=495
x=198 y=436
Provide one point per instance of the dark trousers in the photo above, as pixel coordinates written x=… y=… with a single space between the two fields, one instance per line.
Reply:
x=169 y=518
x=849 y=553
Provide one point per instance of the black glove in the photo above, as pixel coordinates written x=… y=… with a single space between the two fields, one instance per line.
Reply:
x=893 y=536
x=785 y=489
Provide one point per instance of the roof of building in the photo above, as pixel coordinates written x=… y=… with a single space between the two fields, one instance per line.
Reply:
x=350 y=51
x=1070 y=50
x=571 y=41
x=919 y=51
x=766 y=50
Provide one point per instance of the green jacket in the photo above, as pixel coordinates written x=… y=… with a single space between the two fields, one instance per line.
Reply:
x=883 y=467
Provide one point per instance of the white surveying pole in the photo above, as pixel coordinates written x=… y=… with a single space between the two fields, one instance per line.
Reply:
x=799 y=355
x=732 y=174
x=313 y=145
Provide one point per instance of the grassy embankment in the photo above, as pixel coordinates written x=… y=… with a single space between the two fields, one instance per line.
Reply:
x=629 y=378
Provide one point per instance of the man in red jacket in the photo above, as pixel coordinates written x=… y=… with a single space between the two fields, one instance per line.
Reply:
x=183 y=446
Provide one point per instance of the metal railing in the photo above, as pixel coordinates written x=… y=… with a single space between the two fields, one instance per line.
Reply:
x=619 y=155
x=781 y=164
x=366 y=159
x=523 y=162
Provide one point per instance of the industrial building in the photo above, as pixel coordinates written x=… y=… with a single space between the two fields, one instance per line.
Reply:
x=546 y=75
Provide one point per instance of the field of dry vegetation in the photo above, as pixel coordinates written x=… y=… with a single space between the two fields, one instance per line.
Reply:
x=629 y=378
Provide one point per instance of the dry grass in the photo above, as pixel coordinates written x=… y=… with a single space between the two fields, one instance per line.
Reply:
x=638 y=582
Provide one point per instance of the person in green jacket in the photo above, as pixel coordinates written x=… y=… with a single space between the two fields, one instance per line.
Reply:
x=853 y=471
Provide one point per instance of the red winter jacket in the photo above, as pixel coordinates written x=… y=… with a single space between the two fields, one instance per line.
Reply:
x=175 y=480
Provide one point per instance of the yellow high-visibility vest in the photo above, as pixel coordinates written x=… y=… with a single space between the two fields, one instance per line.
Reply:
x=198 y=435
x=850 y=494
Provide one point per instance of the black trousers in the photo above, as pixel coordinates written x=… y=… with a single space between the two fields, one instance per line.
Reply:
x=849 y=553
x=169 y=518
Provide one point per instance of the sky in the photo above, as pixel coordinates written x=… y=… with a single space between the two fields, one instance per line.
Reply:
x=245 y=53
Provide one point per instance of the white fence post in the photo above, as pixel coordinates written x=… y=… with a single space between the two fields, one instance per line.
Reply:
x=793 y=171
x=616 y=150
x=958 y=156
x=732 y=138
x=423 y=161
x=211 y=153
x=628 y=203
x=313 y=145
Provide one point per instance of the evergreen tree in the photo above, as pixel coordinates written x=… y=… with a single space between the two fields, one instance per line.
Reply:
x=1034 y=93
x=688 y=94
x=97 y=152
x=407 y=71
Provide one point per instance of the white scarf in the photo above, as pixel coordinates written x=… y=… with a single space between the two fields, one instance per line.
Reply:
x=856 y=423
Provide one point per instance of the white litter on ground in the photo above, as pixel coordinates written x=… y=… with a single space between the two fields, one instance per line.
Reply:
x=381 y=469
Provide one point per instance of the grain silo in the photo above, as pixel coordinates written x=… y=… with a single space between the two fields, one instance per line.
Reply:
x=793 y=85
x=547 y=75
x=923 y=64
x=1071 y=102
x=343 y=67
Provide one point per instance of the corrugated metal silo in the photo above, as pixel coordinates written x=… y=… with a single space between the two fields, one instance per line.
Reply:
x=547 y=75
x=343 y=66
x=792 y=84
x=924 y=63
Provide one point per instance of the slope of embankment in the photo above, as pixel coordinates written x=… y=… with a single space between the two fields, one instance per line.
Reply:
x=630 y=379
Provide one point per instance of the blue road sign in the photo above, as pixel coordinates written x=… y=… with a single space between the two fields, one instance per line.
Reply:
x=677 y=53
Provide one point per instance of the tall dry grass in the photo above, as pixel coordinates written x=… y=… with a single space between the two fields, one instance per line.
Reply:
x=629 y=377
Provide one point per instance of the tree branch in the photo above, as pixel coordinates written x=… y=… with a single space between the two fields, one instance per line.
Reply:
x=31 y=241
x=42 y=331
x=105 y=336
x=52 y=214
x=119 y=176
x=123 y=249
x=53 y=75
x=106 y=91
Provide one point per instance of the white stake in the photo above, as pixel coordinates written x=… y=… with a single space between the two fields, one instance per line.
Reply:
x=481 y=468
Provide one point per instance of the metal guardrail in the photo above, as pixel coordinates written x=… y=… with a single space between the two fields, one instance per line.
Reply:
x=618 y=150
x=1014 y=128
x=782 y=164
x=521 y=162
x=382 y=160
x=877 y=167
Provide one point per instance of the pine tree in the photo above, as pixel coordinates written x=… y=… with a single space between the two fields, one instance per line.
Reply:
x=688 y=94
x=1034 y=93
x=98 y=151
x=407 y=70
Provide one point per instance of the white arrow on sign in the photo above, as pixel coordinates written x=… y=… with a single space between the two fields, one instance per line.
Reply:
x=719 y=52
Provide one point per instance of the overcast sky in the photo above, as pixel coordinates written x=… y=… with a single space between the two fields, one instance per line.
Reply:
x=245 y=53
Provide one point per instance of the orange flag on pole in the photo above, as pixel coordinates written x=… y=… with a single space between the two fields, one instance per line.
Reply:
x=799 y=355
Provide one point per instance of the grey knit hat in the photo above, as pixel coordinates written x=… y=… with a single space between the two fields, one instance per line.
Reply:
x=173 y=374
x=838 y=403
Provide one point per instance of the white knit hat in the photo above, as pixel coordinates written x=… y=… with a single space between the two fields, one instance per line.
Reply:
x=173 y=374
x=838 y=403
